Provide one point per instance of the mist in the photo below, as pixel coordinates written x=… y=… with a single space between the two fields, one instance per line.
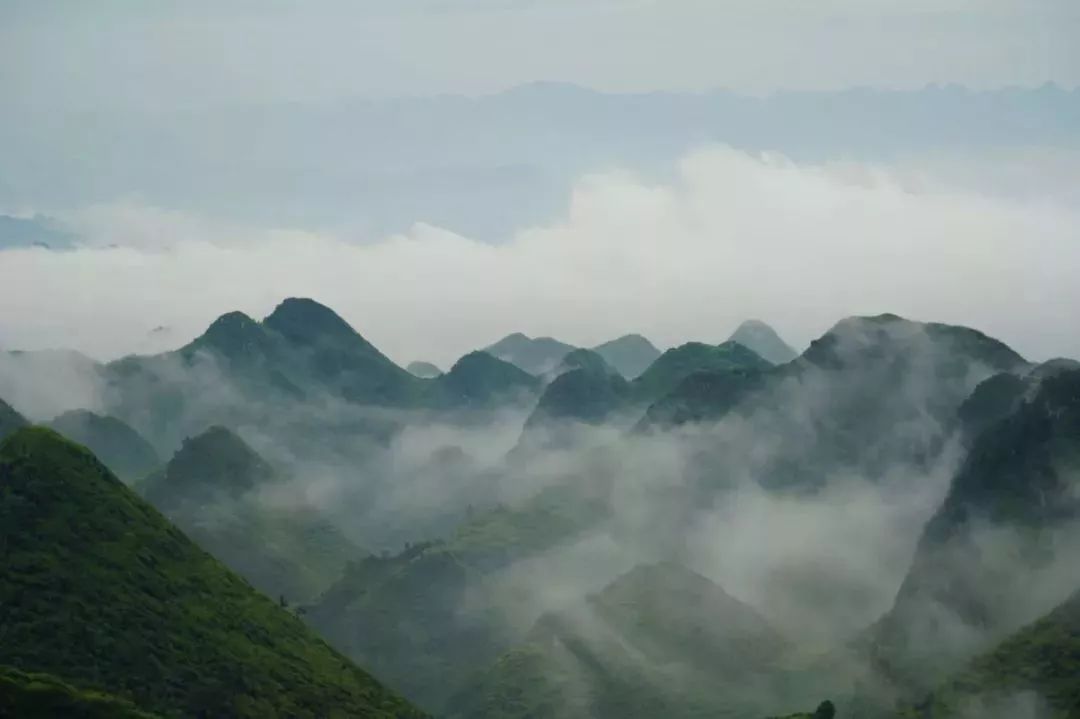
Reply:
x=735 y=235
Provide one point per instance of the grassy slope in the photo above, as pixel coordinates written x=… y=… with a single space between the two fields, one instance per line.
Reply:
x=100 y=589
x=42 y=696
x=658 y=641
x=1042 y=659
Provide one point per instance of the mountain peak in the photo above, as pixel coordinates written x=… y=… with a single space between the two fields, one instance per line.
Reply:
x=214 y=462
x=302 y=319
x=763 y=340
x=630 y=354
x=233 y=335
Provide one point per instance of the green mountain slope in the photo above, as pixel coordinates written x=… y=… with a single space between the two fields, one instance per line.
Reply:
x=630 y=355
x=763 y=340
x=303 y=352
x=1017 y=489
x=658 y=641
x=675 y=365
x=420 y=620
x=581 y=395
x=42 y=696
x=479 y=379
x=705 y=396
x=100 y=589
x=10 y=420
x=588 y=360
x=116 y=444
x=239 y=508
x=1037 y=669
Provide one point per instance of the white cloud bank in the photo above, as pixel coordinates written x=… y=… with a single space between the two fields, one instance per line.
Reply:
x=734 y=236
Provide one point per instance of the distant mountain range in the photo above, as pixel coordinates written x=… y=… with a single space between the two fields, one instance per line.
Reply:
x=449 y=160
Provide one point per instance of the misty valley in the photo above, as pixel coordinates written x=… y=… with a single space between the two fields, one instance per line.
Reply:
x=277 y=520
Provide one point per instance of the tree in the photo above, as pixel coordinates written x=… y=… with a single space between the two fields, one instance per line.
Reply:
x=825 y=710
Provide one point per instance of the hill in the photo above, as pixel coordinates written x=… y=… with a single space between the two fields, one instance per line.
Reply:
x=302 y=353
x=588 y=360
x=423 y=370
x=116 y=444
x=419 y=619
x=1035 y=672
x=874 y=396
x=630 y=355
x=242 y=510
x=42 y=696
x=10 y=420
x=479 y=379
x=675 y=365
x=992 y=556
x=101 y=590
x=764 y=341
x=581 y=395
x=536 y=356
x=657 y=641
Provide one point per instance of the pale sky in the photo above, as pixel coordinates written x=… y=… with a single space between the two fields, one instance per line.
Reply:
x=162 y=54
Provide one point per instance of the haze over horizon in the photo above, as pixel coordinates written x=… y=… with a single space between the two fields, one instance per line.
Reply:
x=363 y=155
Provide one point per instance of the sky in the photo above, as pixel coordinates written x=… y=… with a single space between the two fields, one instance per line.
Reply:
x=733 y=236
x=105 y=55
x=969 y=233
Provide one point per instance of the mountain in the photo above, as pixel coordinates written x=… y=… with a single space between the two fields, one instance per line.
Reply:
x=659 y=640
x=630 y=355
x=423 y=370
x=100 y=589
x=420 y=620
x=763 y=340
x=581 y=395
x=42 y=696
x=303 y=352
x=536 y=356
x=997 y=551
x=117 y=445
x=588 y=360
x=480 y=379
x=705 y=396
x=323 y=348
x=1035 y=672
x=875 y=397
x=10 y=420
x=675 y=365
x=242 y=510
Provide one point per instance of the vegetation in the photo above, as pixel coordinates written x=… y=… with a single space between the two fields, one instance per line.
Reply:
x=1039 y=664
x=42 y=696
x=675 y=365
x=221 y=493
x=100 y=589
x=10 y=420
x=116 y=444
x=581 y=395
x=658 y=641
x=479 y=379
x=1018 y=475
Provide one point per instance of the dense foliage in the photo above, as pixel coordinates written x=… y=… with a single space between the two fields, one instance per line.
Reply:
x=100 y=589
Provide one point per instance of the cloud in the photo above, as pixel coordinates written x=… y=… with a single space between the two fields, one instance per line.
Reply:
x=732 y=236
